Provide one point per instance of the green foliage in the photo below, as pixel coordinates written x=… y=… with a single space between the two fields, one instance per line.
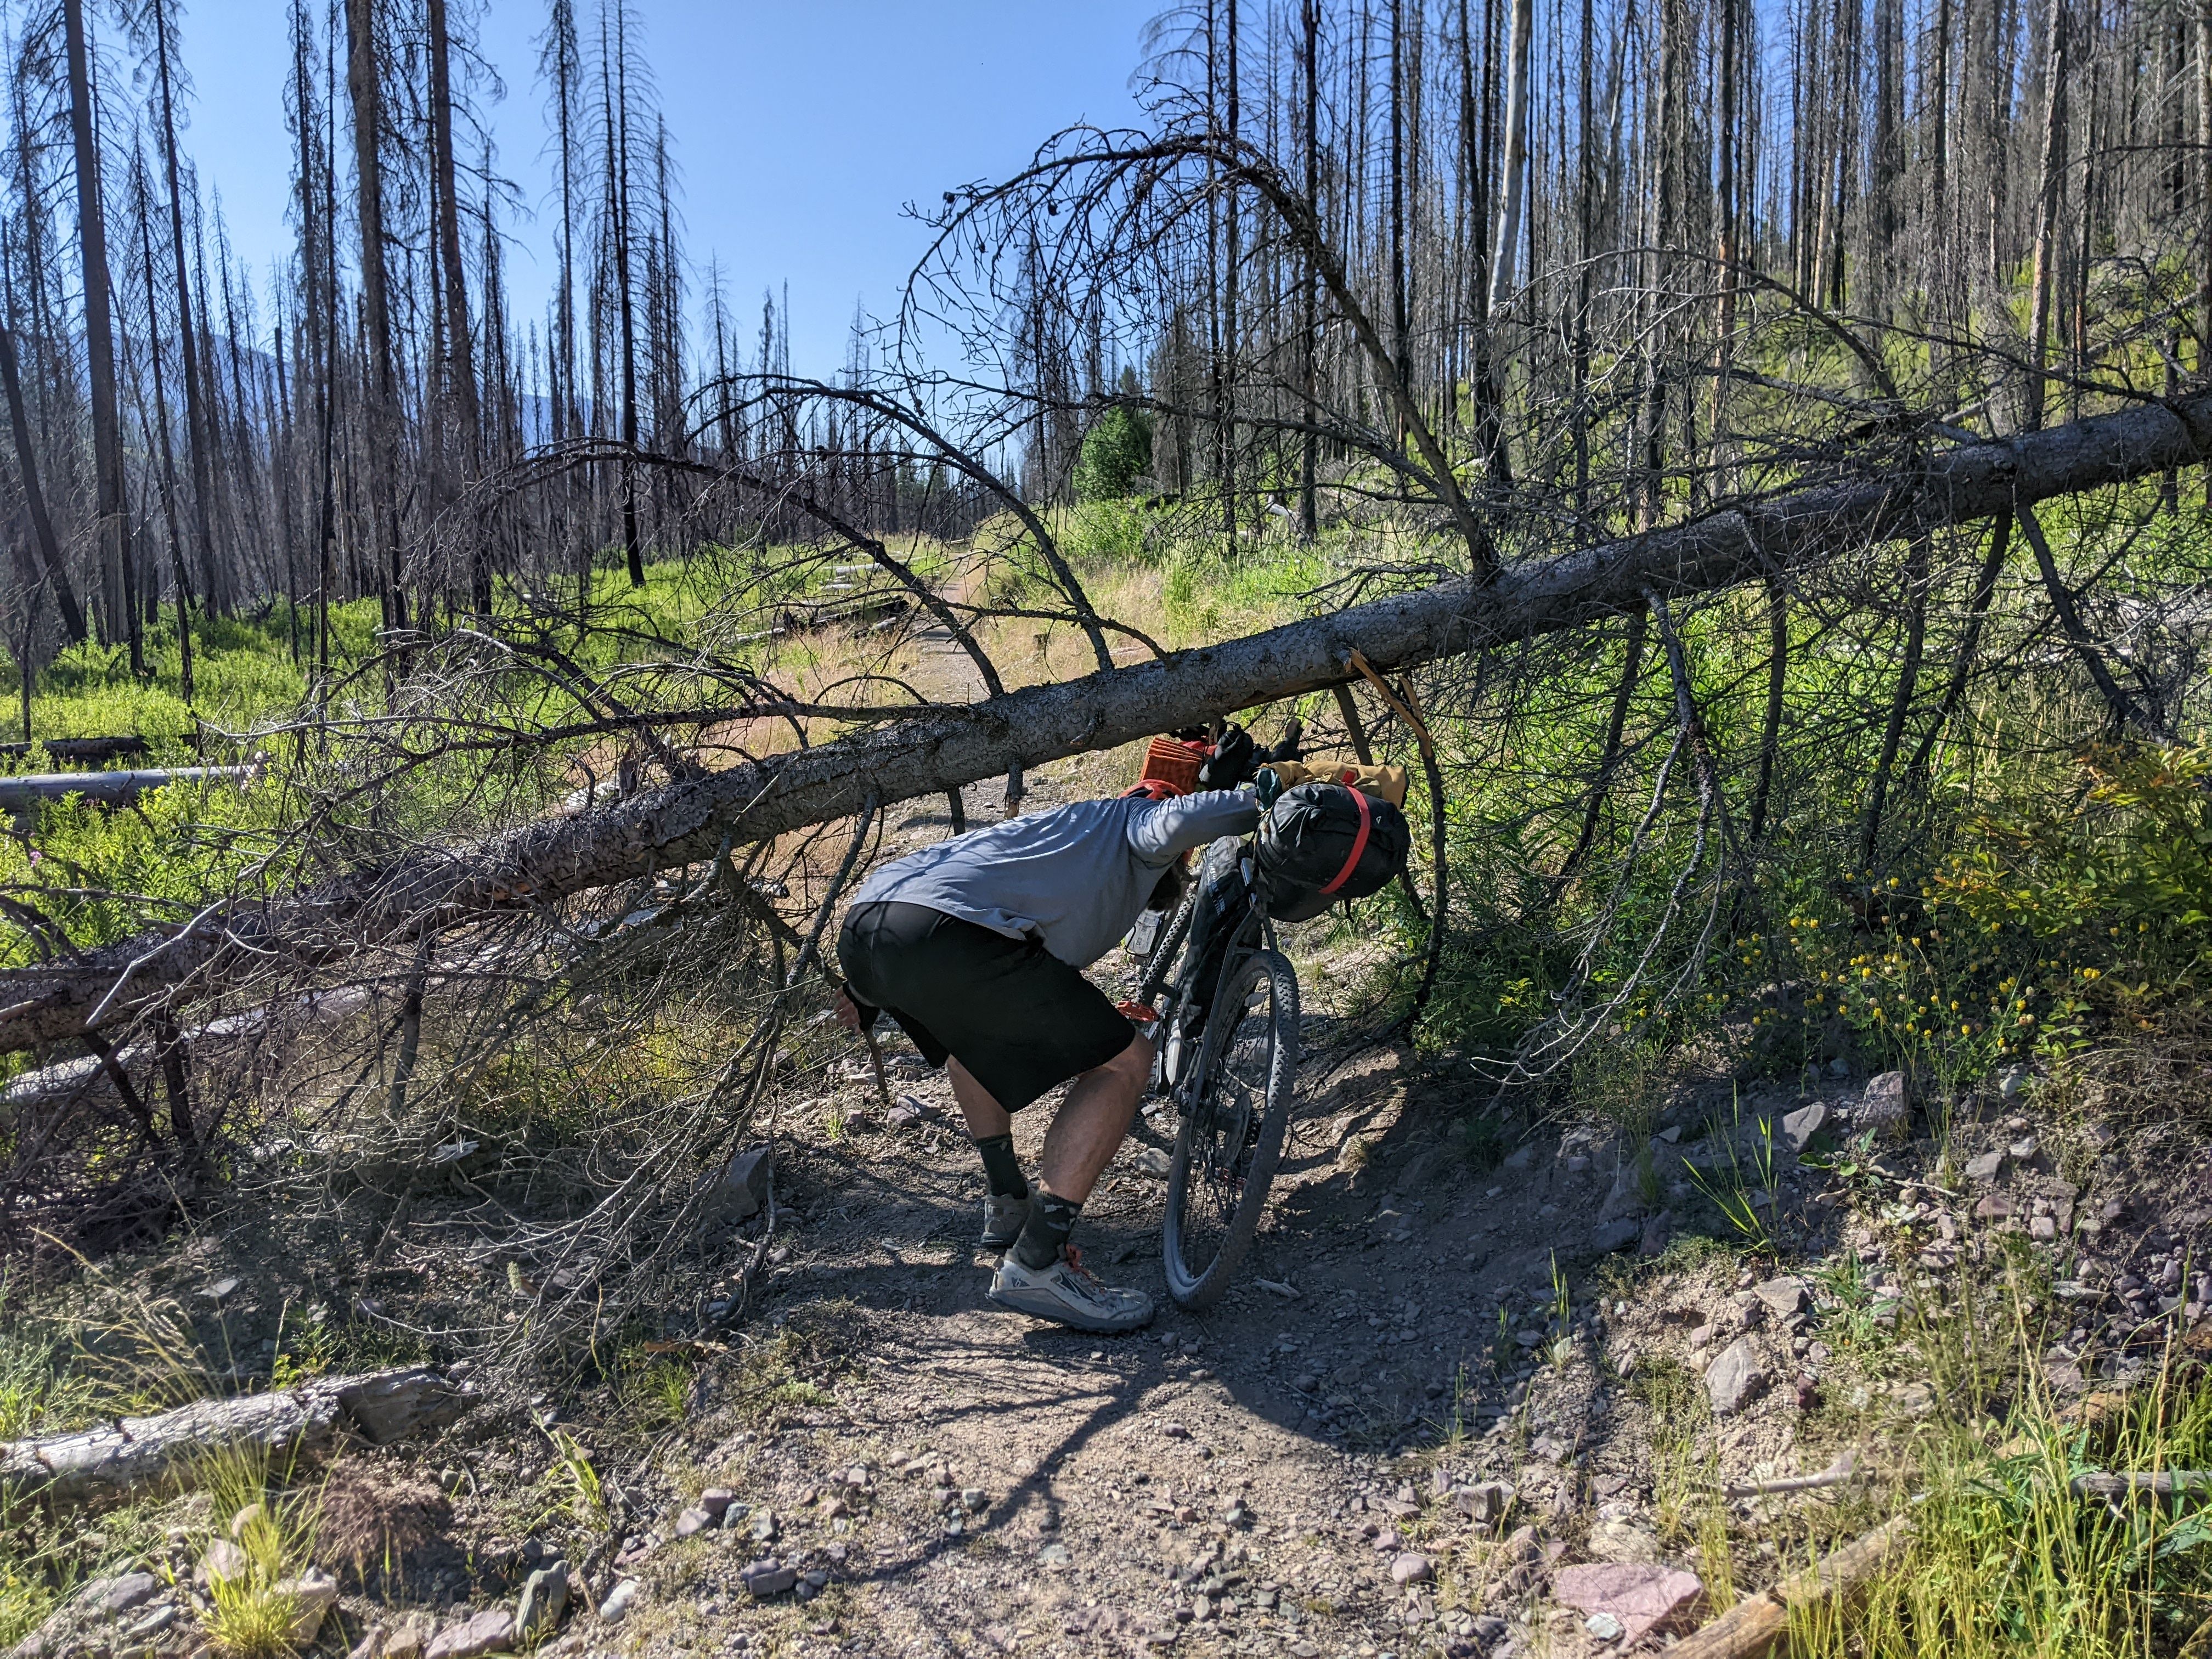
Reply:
x=1116 y=451
x=39 y=1391
x=2080 y=914
x=98 y=875
x=2005 y=1559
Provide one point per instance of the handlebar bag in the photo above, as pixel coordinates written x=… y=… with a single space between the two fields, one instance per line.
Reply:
x=1321 y=842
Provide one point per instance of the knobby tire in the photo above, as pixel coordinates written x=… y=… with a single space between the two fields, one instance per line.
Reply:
x=1218 y=1178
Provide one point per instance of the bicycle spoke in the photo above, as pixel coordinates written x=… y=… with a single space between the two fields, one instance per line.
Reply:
x=1231 y=1105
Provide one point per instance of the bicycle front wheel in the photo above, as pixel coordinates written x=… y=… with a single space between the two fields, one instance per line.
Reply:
x=1232 y=1138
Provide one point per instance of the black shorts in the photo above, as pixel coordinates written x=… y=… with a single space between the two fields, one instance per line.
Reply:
x=1020 y=1019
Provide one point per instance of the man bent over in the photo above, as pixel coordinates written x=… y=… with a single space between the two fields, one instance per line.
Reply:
x=975 y=946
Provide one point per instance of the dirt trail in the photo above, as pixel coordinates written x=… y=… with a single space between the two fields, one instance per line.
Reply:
x=1274 y=1476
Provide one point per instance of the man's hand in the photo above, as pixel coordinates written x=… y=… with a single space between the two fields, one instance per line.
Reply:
x=847 y=1015
x=1234 y=758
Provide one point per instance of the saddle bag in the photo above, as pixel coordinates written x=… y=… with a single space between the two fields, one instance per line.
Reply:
x=1320 y=843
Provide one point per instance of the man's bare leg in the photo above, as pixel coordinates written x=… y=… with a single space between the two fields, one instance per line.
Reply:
x=985 y=1117
x=991 y=1126
x=1093 y=1121
x=1038 y=1275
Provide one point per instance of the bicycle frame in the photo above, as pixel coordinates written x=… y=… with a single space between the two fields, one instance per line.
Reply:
x=1254 y=930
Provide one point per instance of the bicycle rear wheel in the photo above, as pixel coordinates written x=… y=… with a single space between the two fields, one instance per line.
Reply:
x=1232 y=1138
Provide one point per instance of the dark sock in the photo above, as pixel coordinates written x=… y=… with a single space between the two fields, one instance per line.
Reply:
x=1001 y=1168
x=1051 y=1218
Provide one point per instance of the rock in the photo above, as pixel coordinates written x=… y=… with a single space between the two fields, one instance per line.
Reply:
x=1578 y=1164
x=1637 y=1595
x=975 y=1499
x=489 y=1631
x=2023 y=1149
x=1603 y=1627
x=222 y=1562
x=740 y=1191
x=1056 y=1558
x=1657 y=1233
x=1305 y=1382
x=158 y=1620
x=393 y=1405
x=1993 y=1206
x=409 y=1640
x=1486 y=1503
x=1733 y=1379
x=1785 y=1295
x=767 y=1577
x=1987 y=1169
x=1612 y=1236
x=1151 y=1161
x=716 y=1501
x=120 y=1594
x=2043 y=1229
x=544 y=1599
x=1623 y=1541
x=313 y=1594
x=619 y=1599
x=1410 y=1569
x=1885 y=1107
x=220 y=1290
x=692 y=1521
x=763 y=1526
x=1798 y=1128
x=1626 y=1196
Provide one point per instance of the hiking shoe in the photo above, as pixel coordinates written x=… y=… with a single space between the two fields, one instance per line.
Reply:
x=1002 y=1221
x=1069 y=1292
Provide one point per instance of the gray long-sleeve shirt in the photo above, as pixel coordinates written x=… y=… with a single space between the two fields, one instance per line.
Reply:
x=1076 y=877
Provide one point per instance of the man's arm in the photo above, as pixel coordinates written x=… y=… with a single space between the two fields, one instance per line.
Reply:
x=1161 y=829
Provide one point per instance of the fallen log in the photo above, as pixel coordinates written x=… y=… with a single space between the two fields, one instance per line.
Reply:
x=108 y=789
x=93 y=1076
x=2166 y=1485
x=1753 y=1627
x=131 y=1456
x=942 y=749
x=83 y=751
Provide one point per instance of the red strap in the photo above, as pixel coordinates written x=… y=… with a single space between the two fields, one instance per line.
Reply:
x=1358 y=844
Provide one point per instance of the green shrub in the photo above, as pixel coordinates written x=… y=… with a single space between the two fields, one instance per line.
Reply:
x=1116 y=451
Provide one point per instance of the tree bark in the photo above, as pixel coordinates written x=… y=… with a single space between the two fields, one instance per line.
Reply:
x=99 y=342
x=131 y=1456
x=34 y=498
x=1755 y=1627
x=1516 y=155
x=1900 y=704
x=460 y=373
x=2050 y=188
x=946 y=747
x=364 y=85
x=196 y=430
x=2204 y=156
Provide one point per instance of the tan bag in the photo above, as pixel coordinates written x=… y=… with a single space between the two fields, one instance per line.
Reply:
x=1377 y=782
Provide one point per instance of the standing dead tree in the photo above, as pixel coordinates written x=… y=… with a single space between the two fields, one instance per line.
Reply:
x=930 y=751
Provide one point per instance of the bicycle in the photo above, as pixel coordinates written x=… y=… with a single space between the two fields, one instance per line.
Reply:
x=1234 y=997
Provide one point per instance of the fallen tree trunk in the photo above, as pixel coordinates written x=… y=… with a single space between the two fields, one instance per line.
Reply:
x=85 y=751
x=109 y=788
x=939 y=750
x=1751 y=1629
x=131 y=1456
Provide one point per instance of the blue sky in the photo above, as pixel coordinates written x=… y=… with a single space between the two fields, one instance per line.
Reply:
x=799 y=127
